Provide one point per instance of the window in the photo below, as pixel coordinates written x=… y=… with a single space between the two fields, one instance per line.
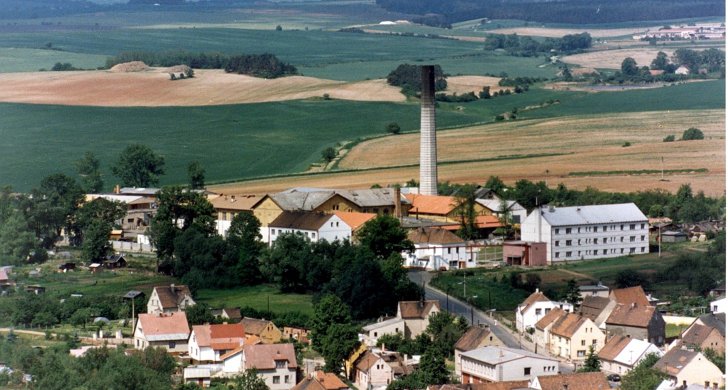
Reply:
x=621 y=227
x=449 y=250
x=632 y=226
x=632 y=239
x=375 y=334
x=596 y=252
x=568 y=230
x=276 y=379
x=578 y=230
x=583 y=342
x=643 y=238
x=642 y=226
x=172 y=345
x=313 y=235
x=594 y=341
x=632 y=250
x=621 y=239
x=621 y=250
x=604 y=240
x=604 y=252
x=337 y=224
x=281 y=364
x=581 y=353
x=578 y=242
x=538 y=312
x=568 y=254
x=642 y=249
x=287 y=379
x=568 y=242
x=526 y=370
x=556 y=243
x=557 y=255
x=604 y=228
x=335 y=207
x=332 y=224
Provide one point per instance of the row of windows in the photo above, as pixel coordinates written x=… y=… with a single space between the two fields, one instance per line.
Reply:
x=595 y=252
x=595 y=240
x=594 y=229
x=277 y=379
x=281 y=231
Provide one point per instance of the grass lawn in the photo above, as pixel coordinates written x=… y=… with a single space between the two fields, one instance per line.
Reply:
x=479 y=282
x=258 y=298
x=672 y=330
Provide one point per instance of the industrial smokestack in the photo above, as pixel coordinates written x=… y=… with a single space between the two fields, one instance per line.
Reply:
x=428 y=139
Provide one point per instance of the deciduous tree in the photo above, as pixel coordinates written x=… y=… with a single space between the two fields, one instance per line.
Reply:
x=138 y=166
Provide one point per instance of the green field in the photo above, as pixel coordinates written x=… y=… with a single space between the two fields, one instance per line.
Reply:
x=257 y=297
x=253 y=140
x=24 y=60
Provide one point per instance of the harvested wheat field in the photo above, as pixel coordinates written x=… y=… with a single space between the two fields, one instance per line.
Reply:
x=560 y=32
x=153 y=88
x=612 y=59
x=590 y=145
x=465 y=84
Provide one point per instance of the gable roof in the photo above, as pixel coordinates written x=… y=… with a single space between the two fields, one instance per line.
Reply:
x=329 y=381
x=587 y=215
x=631 y=315
x=162 y=327
x=714 y=320
x=219 y=336
x=433 y=235
x=371 y=197
x=496 y=205
x=630 y=295
x=416 y=309
x=254 y=326
x=472 y=338
x=506 y=385
x=592 y=306
x=575 y=381
x=567 y=325
x=696 y=334
x=300 y=220
x=537 y=296
x=675 y=360
x=264 y=356
x=232 y=313
x=237 y=202
x=308 y=199
x=308 y=383
x=297 y=200
x=354 y=219
x=625 y=350
x=553 y=315
x=431 y=204
x=366 y=361
x=613 y=347
x=497 y=355
x=171 y=296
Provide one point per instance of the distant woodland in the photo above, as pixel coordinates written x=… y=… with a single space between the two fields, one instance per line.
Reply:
x=440 y=12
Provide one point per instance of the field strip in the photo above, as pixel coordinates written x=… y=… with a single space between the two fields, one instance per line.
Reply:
x=641 y=172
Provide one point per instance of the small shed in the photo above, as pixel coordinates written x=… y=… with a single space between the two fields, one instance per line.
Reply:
x=68 y=266
x=95 y=268
x=115 y=261
x=199 y=376
x=35 y=289
x=673 y=236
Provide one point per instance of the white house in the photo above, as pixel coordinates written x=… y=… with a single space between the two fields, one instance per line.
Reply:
x=166 y=330
x=208 y=343
x=684 y=367
x=436 y=249
x=371 y=371
x=275 y=363
x=718 y=306
x=498 y=364
x=372 y=332
x=517 y=212
x=588 y=232
x=411 y=320
x=621 y=354
x=535 y=307
x=315 y=226
x=168 y=299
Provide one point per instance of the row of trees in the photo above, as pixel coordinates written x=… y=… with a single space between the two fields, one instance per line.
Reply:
x=409 y=78
x=525 y=46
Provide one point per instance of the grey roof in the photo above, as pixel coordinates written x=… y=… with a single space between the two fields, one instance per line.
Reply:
x=716 y=321
x=497 y=205
x=381 y=324
x=138 y=191
x=587 y=215
x=293 y=200
x=497 y=355
x=372 y=197
x=594 y=287
x=307 y=198
x=300 y=220
x=132 y=294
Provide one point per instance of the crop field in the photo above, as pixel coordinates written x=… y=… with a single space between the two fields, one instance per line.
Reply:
x=24 y=60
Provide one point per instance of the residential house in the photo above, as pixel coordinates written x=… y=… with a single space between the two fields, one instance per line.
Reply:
x=507 y=385
x=167 y=299
x=439 y=208
x=575 y=381
x=355 y=220
x=201 y=376
x=621 y=354
x=637 y=322
x=597 y=309
x=165 y=330
x=682 y=70
x=314 y=225
x=437 y=249
x=207 y=343
x=390 y=326
x=572 y=335
x=298 y=334
x=713 y=320
x=416 y=315
x=542 y=329
x=534 y=308
x=718 y=306
x=703 y=337
x=588 y=232
x=473 y=338
x=686 y=367
x=496 y=364
x=320 y=380
x=594 y=290
x=371 y=371
x=115 y=261
x=265 y=330
x=275 y=363
x=231 y=314
x=228 y=206
x=495 y=206
x=525 y=254
x=630 y=295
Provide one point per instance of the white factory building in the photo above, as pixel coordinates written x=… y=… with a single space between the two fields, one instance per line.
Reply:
x=588 y=232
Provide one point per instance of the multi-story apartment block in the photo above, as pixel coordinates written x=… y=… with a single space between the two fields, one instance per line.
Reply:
x=588 y=232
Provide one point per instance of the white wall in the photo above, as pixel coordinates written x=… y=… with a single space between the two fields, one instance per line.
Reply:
x=335 y=229
x=439 y=255
x=512 y=370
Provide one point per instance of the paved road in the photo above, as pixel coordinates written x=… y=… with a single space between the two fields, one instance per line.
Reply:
x=461 y=308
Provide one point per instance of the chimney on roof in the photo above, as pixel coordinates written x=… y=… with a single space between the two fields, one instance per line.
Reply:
x=171 y=287
x=397 y=202
x=117 y=189
x=633 y=305
x=566 y=386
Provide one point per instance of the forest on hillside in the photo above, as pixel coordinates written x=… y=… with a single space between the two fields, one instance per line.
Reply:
x=568 y=11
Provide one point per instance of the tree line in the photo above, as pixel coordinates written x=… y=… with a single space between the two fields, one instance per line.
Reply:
x=525 y=46
x=259 y=65
x=409 y=78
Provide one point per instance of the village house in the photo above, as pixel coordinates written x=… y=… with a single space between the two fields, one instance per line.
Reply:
x=524 y=254
x=621 y=354
x=439 y=208
x=207 y=343
x=437 y=249
x=703 y=337
x=571 y=335
x=594 y=290
x=685 y=367
x=201 y=376
x=228 y=206
x=314 y=225
x=416 y=315
x=637 y=322
x=496 y=364
x=164 y=330
x=473 y=338
x=391 y=326
x=506 y=385
x=265 y=330
x=117 y=260
x=320 y=380
x=719 y=305
x=168 y=299
x=230 y=314
x=537 y=305
x=575 y=381
x=275 y=363
x=298 y=334
x=495 y=206
x=5 y=282
x=371 y=371
x=542 y=329
x=630 y=295
x=588 y=232
x=355 y=220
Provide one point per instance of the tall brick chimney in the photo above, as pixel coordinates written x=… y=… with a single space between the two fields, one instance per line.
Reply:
x=428 y=139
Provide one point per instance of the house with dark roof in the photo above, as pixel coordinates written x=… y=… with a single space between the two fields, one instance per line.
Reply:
x=168 y=299
x=117 y=260
x=703 y=337
x=621 y=354
x=163 y=330
x=416 y=315
x=314 y=225
x=207 y=343
x=637 y=322
x=265 y=330
x=588 y=232
x=597 y=309
x=594 y=290
x=496 y=364
x=575 y=381
x=437 y=249
x=571 y=335
x=686 y=367
x=533 y=308
x=473 y=338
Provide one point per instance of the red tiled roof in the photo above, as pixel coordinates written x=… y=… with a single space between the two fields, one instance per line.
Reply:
x=431 y=204
x=430 y=235
x=353 y=219
x=417 y=309
x=567 y=325
x=630 y=295
x=472 y=338
x=264 y=356
x=164 y=324
x=330 y=381
x=613 y=347
x=219 y=336
x=575 y=381
x=631 y=315
x=537 y=296
x=550 y=317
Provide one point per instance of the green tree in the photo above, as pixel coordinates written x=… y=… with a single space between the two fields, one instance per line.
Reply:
x=629 y=67
x=384 y=235
x=286 y=262
x=89 y=168
x=16 y=241
x=96 y=245
x=249 y=380
x=629 y=278
x=245 y=245
x=465 y=202
x=199 y=314
x=643 y=376
x=669 y=138
x=495 y=184
x=445 y=330
x=196 y=175
x=393 y=128
x=572 y=293
x=432 y=369
x=53 y=207
x=692 y=134
x=592 y=363
x=328 y=154
x=715 y=358
x=138 y=166
x=660 y=62
x=332 y=332
x=687 y=57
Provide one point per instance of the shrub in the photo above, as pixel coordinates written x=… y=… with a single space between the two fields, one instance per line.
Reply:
x=692 y=134
x=626 y=144
x=669 y=138
x=393 y=128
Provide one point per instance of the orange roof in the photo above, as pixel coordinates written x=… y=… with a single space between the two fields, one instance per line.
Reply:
x=264 y=356
x=613 y=347
x=431 y=204
x=575 y=381
x=354 y=220
x=219 y=336
x=330 y=381
x=629 y=295
x=629 y=315
x=549 y=318
x=237 y=202
x=481 y=222
x=567 y=325
x=537 y=296
x=164 y=324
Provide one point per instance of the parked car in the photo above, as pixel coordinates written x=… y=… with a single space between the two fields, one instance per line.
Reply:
x=614 y=378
